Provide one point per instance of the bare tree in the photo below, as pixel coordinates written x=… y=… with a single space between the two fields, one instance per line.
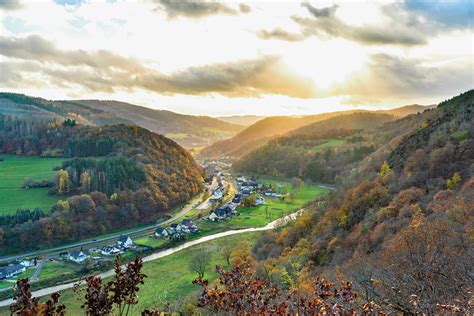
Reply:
x=200 y=262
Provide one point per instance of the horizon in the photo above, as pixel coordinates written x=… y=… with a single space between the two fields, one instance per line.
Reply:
x=240 y=58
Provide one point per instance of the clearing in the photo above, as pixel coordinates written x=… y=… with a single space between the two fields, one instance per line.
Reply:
x=13 y=172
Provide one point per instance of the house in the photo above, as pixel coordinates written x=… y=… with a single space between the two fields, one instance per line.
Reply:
x=246 y=191
x=125 y=241
x=175 y=228
x=11 y=270
x=110 y=251
x=161 y=232
x=78 y=256
x=187 y=223
x=28 y=263
x=213 y=217
x=259 y=201
x=237 y=198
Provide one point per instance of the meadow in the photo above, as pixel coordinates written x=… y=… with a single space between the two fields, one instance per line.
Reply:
x=330 y=143
x=13 y=172
x=169 y=278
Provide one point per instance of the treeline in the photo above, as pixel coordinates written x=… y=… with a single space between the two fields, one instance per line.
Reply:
x=401 y=224
x=115 y=177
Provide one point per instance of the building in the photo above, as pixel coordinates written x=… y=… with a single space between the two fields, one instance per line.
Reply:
x=161 y=232
x=110 y=251
x=125 y=241
x=11 y=270
x=28 y=263
x=78 y=256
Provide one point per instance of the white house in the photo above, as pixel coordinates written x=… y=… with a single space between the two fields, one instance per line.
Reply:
x=162 y=232
x=110 y=251
x=78 y=256
x=27 y=263
x=11 y=270
x=125 y=241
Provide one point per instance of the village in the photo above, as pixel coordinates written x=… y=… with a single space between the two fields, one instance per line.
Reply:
x=227 y=195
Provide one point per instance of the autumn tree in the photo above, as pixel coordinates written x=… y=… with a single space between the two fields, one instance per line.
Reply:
x=85 y=182
x=454 y=181
x=63 y=182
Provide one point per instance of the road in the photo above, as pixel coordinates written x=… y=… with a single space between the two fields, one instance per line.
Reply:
x=38 y=269
x=183 y=212
x=277 y=223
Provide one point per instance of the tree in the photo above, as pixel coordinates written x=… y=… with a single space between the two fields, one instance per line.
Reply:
x=85 y=182
x=242 y=293
x=250 y=201
x=296 y=183
x=63 y=182
x=226 y=252
x=455 y=181
x=25 y=304
x=200 y=262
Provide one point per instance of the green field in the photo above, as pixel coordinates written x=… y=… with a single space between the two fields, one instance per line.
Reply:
x=13 y=171
x=169 y=278
x=330 y=143
x=273 y=209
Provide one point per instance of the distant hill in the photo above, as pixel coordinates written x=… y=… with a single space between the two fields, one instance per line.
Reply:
x=189 y=131
x=271 y=127
x=244 y=120
x=409 y=109
x=297 y=153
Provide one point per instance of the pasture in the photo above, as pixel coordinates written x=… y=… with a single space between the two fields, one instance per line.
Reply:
x=13 y=172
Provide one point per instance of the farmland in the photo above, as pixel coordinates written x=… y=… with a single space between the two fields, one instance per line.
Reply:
x=13 y=172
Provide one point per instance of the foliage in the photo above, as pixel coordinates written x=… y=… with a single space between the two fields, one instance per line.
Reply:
x=242 y=293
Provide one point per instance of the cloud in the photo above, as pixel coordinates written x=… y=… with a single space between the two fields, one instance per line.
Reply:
x=10 y=4
x=408 y=24
x=317 y=13
x=106 y=71
x=197 y=9
x=387 y=77
x=280 y=34
x=324 y=22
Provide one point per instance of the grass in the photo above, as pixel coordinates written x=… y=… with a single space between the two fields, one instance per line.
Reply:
x=169 y=278
x=150 y=241
x=330 y=143
x=54 y=268
x=13 y=171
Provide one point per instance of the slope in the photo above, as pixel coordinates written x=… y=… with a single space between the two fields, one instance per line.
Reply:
x=189 y=131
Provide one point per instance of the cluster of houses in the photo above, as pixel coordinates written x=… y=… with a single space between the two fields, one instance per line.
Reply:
x=124 y=243
x=16 y=268
x=177 y=231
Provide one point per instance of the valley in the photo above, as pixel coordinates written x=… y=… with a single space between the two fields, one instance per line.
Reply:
x=293 y=203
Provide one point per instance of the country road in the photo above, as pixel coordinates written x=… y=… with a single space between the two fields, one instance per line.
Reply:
x=276 y=223
x=183 y=212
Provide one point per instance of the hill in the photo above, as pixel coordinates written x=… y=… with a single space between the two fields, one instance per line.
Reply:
x=244 y=120
x=400 y=224
x=316 y=151
x=272 y=127
x=111 y=177
x=189 y=131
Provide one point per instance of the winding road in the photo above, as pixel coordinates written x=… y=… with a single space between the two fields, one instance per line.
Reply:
x=277 y=223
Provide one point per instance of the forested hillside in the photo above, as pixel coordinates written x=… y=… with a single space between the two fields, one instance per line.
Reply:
x=400 y=224
x=112 y=177
x=319 y=151
x=187 y=130
x=270 y=128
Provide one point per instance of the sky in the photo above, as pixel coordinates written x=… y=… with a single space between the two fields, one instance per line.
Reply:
x=237 y=58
